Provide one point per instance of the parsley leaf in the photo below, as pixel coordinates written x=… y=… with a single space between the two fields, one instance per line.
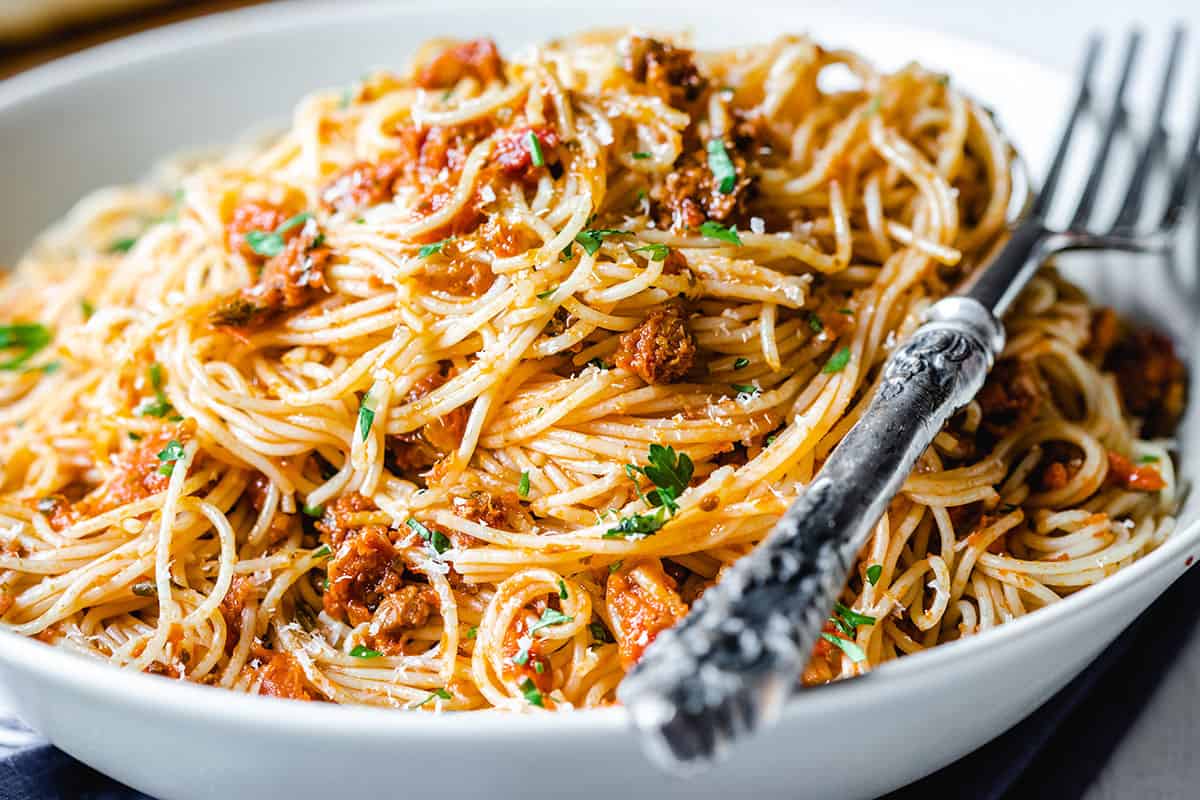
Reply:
x=837 y=362
x=316 y=512
x=435 y=539
x=1148 y=459
x=741 y=362
x=122 y=245
x=472 y=632
x=550 y=617
x=815 y=323
x=873 y=573
x=271 y=243
x=523 y=485
x=592 y=238
x=546 y=294
x=430 y=249
x=642 y=155
x=322 y=551
x=169 y=455
x=366 y=415
x=360 y=651
x=442 y=693
x=849 y=648
x=562 y=590
x=535 y=150
x=721 y=166
x=530 y=690
x=658 y=252
x=28 y=337
x=670 y=472
x=715 y=230
x=638 y=524
x=87 y=308
x=745 y=388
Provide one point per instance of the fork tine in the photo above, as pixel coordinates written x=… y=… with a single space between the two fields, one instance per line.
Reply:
x=1188 y=166
x=1115 y=119
x=1082 y=101
x=1156 y=141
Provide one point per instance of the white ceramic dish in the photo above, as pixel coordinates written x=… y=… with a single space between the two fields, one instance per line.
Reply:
x=108 y=114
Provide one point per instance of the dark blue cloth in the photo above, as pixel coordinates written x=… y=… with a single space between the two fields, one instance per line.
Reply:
x=1054 y=752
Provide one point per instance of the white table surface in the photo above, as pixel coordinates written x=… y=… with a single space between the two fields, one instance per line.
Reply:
x=1156 y=760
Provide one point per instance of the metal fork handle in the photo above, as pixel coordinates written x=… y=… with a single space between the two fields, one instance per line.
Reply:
x=728 y=667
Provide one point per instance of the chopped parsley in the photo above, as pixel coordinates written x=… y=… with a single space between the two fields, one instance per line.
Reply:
x=472 y=632
x=658 y=252
x=271 y=243
x=169 y=455
x=87 y=308
x=837 y=362
x=815 y=323
x=435 y=539
x=873 y=573
x=546 y=294
x=430 y=249
x=600 y=633
x=1148 y=459
x=616 y=565
x=137 y=437
x=848 y=647
x=159 y=406
x=322 y=551
x=849 y=312
x=566 y=254
x=715 y=230
x=598 y=363
x=642 y=155
x=670 y=473
x=638 y=524
x=26 y=337
x=361 y=651
x=316 y=512
x=523 y=484
x=535 y=150
x=530 y=690
x=366 y=415
x=562 y=590
x=592 y=238
x=122 y=245
x=847 y=620
x=721 y=166
x=739 y=363
x=745 y=388
x=442 y=693
x=550 y=617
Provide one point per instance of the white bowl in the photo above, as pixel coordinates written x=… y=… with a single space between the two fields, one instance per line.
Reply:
x=107 y=115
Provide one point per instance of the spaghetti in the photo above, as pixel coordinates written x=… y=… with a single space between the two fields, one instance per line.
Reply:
x=459 y=391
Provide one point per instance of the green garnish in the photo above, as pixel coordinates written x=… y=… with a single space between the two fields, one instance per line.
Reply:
x=442 y=693
x=550 y=617
x=360 y=651
x=169 y=455
x=546 y=294
x=715 y=230
x=848 y=619
x=565 y=255
x=745 y=388
x=600 y=633
x=837 y=361
x=122 y=245
x=523 y=485
x=316 y=512
x=366 y=415
x=741 y=362
x=530 y=690
x=435 y=539
x=1148 y=459
x=592 y=238
x=430 y=249
x=271 y=244
x=598 y=363
x=87 y=308
x=670 y=472
x=535 y=150
x=815 y=323
x=322 y=551
x=849 y=648
x=472 y=632
x=539 y=668
x=642 y=155
x=28 y=337
x=849 y=312
x=159 y=406
x=721 y=166
x=137 y=437
x=616 y=565
x=658 y=252
x=562 y=590
x=873 y=573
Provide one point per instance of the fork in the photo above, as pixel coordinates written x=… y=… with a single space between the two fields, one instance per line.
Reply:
x=728 y=667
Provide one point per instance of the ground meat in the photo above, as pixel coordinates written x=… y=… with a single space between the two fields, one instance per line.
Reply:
x=288 y=281
x=59 y=511
x=492 y=510
x=414 y=451
x=1011 y=397
x=1055 y=477
x=457 y=273
x=661 y=349
x=690 y=195
x=252 y=216
x=478 y=59
x=513 y=152
x=501 y=239
x=406 y=609
x=343 y=516
x=1152 y=380
x=241 y=589
x=281 y=676
x=666 y=70
x=1138 y=478
x=1060 y=462
x=642 y=602
x=362 y=185
x=825 y=662
x=1105 y=330
x=675 y=263
x=364 y=570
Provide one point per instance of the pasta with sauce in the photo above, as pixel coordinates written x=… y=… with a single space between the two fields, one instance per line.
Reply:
x=457 y=392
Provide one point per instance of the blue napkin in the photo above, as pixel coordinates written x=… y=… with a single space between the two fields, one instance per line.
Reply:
x=1054 y=752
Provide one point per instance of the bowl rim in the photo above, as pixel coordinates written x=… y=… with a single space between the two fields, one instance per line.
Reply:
x=197 y=701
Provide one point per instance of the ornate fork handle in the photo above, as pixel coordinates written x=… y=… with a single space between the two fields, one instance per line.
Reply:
x=730 y=665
